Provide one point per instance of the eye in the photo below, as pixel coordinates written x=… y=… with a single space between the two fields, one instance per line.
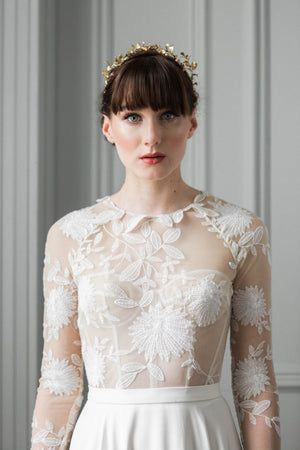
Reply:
x=169 y=115
x=132 y=117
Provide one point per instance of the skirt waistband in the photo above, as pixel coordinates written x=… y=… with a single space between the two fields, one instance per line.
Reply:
x=155 y=395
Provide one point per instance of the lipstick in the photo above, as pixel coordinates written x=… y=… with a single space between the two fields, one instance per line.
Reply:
x=152 y=158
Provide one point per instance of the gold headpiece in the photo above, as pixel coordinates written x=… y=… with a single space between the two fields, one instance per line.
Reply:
x=183 y=60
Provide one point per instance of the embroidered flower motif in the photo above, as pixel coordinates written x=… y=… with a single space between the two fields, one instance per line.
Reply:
x=251 y=377
x=249 y=307
x=78 y=224
x=60 y=377
x=233 y=220
x=162 y=331
x=61 y=306
x=205 y=301
x=86 y=297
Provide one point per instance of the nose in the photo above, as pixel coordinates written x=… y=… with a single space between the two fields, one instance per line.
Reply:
x=152 y=132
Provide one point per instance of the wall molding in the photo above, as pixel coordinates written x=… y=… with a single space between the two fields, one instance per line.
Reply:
x=20 y=216
x=257 y=109
x=196 y=165
x=288 y=376
x=101 y=49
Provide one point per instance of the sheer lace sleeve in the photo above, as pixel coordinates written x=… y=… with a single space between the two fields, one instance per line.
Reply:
x=253 y=379
x=60 y=386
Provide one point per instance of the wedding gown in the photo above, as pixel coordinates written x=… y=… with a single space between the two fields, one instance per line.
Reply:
x=144 y=303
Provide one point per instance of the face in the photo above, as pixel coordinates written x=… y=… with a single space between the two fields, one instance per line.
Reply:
x=151 y=144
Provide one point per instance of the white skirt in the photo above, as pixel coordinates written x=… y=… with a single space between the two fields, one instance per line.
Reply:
x=167 y=418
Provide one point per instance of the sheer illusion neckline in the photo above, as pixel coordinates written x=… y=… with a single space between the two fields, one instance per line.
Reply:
x=109 y=202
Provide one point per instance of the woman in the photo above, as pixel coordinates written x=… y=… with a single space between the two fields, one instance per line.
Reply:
x=145 y=283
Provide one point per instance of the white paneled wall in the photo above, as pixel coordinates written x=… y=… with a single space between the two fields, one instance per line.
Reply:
x=54 y=159
x=19 y=217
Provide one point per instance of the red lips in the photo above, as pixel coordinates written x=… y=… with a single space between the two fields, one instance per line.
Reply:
x=153 y=158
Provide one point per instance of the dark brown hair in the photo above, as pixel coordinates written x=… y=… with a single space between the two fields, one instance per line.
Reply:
x=148 y=79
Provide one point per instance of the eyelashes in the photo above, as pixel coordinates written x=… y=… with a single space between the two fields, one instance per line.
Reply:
x=132 y=117
x=167 y=116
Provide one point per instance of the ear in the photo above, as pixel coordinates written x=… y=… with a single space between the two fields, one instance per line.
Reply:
x=106 y=129
x=194 y=124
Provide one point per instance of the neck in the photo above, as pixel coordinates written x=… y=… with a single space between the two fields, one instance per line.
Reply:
x=154 y=197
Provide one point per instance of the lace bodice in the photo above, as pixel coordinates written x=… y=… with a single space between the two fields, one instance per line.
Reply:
x=147 y=301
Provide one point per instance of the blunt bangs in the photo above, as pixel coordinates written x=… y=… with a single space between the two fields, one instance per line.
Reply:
x=151 y=81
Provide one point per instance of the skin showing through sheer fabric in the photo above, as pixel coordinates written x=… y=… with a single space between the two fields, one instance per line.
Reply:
x=143 y=287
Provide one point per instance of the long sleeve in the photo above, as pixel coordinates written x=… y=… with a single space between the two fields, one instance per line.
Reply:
x=253 y=379
x=59 y=394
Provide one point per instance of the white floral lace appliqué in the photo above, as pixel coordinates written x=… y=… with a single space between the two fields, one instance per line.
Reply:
x=249 y=307
x=233 y=220
x=162 y=331
x=61 y=306
x=205 y=299
x=59 y=376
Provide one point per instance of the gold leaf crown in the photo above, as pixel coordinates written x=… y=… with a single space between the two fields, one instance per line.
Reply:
x=182 y=59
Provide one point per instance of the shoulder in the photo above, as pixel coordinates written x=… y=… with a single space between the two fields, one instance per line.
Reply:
x=235 y=221
x=73 y=226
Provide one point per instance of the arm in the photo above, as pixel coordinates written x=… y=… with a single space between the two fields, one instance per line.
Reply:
x=253 y=379
x=60 y=386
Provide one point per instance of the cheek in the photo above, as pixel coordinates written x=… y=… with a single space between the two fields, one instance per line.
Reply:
x=178 y=138
x=125 y=140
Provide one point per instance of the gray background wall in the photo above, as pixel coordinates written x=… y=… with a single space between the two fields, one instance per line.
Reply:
x=54 y=160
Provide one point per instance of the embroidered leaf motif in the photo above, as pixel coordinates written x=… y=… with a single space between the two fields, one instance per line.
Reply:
x=173 y=252
x=126 y=303
x=148 y=270
x=277 y=428
x=200 y=197
x=261 y=407
x=133 y=367
x=121 y=353
x=146 y=229
x=258 y=351
x=146 y=299
x=258 y=234
x=156 y=240
x=62 y=431
x=49 y=425
x=252 y=419
x=171 y=235
x=107 y=216
x=187 y=362
x=98 y=238
x=268 y=422
x=52 y=441
x=149 y=248
x=177 y=216
x=115 y=290
x=115 y=245
x=133 y=238
x=131 y=272
x=253 y=250
x=126 y=380
x=232 y=265
x=247 y=237
x=247 y=404
x=155 y=371
x=76 y=360
x=117 y=227
x=39 y=436
x=133 y=223
x=166 y=219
